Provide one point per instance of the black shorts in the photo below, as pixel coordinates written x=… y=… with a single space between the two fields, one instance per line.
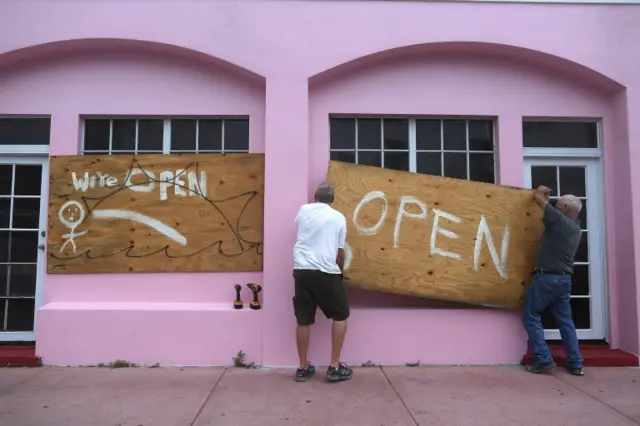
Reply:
x=315 y=289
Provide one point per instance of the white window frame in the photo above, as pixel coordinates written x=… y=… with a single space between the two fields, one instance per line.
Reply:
x=36 y=154
x=32 y=154
x=569 y=157
x=166 y=135
x=412 y=150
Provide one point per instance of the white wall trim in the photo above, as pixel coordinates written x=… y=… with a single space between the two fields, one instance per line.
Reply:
x=24 y=149
x=563 y=152
x=600 y=2
x=17 y=336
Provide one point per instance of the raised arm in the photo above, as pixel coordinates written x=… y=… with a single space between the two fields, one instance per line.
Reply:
x=551 y=215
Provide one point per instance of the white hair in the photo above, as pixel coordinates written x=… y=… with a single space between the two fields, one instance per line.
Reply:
x=573 y=203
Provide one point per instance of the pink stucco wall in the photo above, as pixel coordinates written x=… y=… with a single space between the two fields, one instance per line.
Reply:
x=288 y=64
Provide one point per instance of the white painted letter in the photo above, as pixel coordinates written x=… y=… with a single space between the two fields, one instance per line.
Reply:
x=179 y=184
x=80 y=183
x=375 y=228
x=407 y=199
x=195 y=187
x=102 y=178
x=146 y=186
x=499 y=262
x=112 y=181
x=445 y=232
x=166 y=180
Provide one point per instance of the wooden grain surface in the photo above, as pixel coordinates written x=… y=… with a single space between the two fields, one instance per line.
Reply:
x=404 y=255
x=155 y=213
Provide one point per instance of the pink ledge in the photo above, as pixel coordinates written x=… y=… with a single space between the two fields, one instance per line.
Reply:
x=86 y=333
x=396 y=336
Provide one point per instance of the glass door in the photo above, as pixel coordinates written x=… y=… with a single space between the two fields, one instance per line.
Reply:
x=582 y=178
x=23 y=218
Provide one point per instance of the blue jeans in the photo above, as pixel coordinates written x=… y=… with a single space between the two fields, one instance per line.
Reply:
x=550 y=291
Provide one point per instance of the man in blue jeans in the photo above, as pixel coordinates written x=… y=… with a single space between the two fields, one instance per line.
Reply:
x=551 y=285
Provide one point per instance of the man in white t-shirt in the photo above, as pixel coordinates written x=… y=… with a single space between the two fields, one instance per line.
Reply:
x=318 y=264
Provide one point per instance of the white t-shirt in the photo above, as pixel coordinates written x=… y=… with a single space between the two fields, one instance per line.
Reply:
x=322 y=230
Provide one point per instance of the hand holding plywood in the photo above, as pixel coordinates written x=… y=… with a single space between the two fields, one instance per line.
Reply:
x=155 y=213
x=436 y=237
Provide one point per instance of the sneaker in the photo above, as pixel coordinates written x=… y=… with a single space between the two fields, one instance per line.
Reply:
x=575 y=371
x=304 y=374
x=540 y=367
x=339 y=374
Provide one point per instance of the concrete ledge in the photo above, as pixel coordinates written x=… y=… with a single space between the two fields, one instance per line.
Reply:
x=81 y=333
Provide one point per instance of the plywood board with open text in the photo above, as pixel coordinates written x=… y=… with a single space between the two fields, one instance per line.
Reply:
x=155 y=213
x=434 y=237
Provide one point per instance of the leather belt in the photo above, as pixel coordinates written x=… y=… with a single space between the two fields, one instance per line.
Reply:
x=550 y=272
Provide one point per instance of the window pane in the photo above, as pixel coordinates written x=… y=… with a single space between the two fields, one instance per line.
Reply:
x=26 y=213
x=396 y=134
x=455 y=165
x=96 y=134
x=236 y=135
x=455 y=134
x=370 y=158
x=124 y=135
x=557 y=134
x=210 y=135
x=429 y=163
x=24 y=246
x=344 y=156
x=342 y=133
x=6 y=175
x=583 y=215
x=183 y=135
x=580 y=280
x=580 y=308
x=580 y=313
x=545 y=175
x=4 y=276
x=22 y=280
x=24 y=131
x=369 y=133
x=4 y=246
x=5 y=211
x=480 y=135
x=582 y=255
x=573 y=181
x=20 y=314
x=3 y=302
x=481 y=168
x=396 y=160
x=28 y=180
x=150 y=133
x=428 y=135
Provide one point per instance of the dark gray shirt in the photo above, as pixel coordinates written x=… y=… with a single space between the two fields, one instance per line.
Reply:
x=559 y=242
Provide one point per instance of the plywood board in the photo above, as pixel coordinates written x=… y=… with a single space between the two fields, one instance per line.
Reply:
x=155 y=213
x=439 y=238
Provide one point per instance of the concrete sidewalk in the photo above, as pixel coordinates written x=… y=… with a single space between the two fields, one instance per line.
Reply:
x=399 y=396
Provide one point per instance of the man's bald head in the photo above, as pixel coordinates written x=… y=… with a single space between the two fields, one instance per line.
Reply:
x=324 y=193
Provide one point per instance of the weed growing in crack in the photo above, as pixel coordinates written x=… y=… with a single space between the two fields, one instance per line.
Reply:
x=239 y=361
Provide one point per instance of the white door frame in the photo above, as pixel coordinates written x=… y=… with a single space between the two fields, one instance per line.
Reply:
x=33 y=155
x=597 y=243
